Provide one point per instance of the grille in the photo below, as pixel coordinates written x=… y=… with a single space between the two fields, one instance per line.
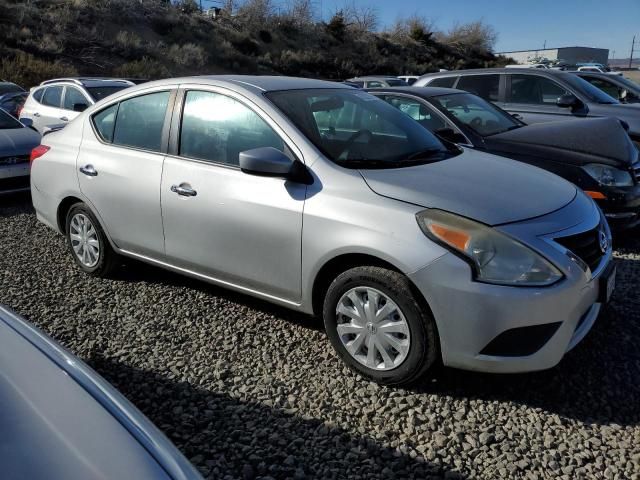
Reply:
x=585 y=246
x=15 y=160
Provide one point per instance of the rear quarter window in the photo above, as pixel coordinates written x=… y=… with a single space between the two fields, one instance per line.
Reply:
x=37 y=95
x=446 y=82
x=105 y=121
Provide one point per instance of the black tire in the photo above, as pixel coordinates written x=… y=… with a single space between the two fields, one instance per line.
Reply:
x=108 y=260
x=424 y=346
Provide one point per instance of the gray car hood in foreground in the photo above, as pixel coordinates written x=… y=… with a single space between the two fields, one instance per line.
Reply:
x=486 y=188
x=601 y=140
x=60 y=421
x=18 y=141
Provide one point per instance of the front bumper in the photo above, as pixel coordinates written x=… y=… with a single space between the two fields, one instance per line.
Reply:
x=470 y=315
x=622 y=206
x=14 y=178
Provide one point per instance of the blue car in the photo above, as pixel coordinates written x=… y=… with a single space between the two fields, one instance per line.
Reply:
x=16 y=142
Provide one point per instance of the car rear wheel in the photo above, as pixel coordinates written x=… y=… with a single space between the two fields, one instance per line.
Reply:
x=88 y=243
x=378 y=327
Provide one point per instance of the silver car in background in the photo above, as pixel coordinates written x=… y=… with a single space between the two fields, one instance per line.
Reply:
x=327 y=200
x=61 y=421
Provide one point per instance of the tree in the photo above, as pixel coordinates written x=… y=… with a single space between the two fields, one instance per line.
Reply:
x=470 y=38
x=416 y=28
x=362 y=18
x=337 y=26
x=256 y=12
x=300 y=11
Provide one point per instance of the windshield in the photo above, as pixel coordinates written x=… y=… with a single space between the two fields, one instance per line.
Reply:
x=9 y=88
x=629 y=84
x=357 y=130
x=8 y=122
x=593 y=94
x=478 y=114
x=98 y=93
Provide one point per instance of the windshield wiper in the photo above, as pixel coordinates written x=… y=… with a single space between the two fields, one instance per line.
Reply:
x=426 y=153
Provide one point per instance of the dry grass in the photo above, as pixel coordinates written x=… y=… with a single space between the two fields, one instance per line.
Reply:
x=633 y=75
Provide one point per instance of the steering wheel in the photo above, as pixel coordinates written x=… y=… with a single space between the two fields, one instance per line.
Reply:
x=476 y=123
x=351 y=140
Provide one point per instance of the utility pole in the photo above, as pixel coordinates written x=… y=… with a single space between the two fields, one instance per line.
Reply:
x=633 y=44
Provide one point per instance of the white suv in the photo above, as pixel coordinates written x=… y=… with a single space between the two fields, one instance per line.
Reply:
x=60 y=100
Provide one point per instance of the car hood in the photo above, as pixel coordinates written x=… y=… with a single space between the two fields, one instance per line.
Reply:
x=601 y=140
x=486 y=188
x=18 y=141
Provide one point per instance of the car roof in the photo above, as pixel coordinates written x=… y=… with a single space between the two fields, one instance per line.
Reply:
x=253 y=83
x=424 y=92
x=89 y=82
x=530 y=71
x=375 y=77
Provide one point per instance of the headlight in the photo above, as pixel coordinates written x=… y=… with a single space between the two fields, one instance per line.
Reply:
x=610 y=176
x=495 y=257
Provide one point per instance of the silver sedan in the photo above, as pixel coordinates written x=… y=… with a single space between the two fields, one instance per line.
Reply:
x=329 y=201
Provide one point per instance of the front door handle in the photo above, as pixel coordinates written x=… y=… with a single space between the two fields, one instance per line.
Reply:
x=89 y=171
x=184 y=190
x=64 y=119
x=36 y=114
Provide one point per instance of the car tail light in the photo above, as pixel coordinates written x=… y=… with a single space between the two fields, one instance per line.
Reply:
x=38 y=152
x=19 y=110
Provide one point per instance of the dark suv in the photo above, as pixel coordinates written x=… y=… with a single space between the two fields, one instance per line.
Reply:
x=538 y=95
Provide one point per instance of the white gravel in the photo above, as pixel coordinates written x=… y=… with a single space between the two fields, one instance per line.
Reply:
x=248 y=390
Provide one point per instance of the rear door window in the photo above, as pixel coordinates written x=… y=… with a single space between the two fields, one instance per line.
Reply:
x=52 y=97
x=140 y=121
x=485 y=86
x=534 y=89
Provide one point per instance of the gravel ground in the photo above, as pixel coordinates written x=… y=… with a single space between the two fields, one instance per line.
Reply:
x=248 y=390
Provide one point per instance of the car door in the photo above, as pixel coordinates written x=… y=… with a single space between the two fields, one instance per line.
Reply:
x=220 y=222
x=47 y=112
x=120 y=168
x=73 y=97
x=533 y=97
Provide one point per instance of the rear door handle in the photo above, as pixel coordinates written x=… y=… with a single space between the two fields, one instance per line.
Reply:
x=64 y=119
x=36 y=114
x=184 y=190
x=89 y=171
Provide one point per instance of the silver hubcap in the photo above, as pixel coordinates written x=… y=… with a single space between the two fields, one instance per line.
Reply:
x=372 y=328
x=84 y=240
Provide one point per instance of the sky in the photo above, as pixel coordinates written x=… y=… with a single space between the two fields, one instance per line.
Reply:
x=525 y=24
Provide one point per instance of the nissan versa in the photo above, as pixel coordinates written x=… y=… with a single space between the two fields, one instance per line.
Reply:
x=330 y=201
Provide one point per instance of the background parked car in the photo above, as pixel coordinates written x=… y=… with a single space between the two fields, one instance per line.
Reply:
x=598 y=69
x=61 y=421
x=16 y=143
x=12 y=103
x=625 y=90
x=410 y=79
x=9 y=87
x=608 y=171
x=538 y=95
x=377 y=81
x=61 y=100
x=412 y=250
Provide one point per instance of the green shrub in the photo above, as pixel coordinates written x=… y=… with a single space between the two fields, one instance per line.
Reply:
x=27 y=70
x=187 y=55
x=143 y=68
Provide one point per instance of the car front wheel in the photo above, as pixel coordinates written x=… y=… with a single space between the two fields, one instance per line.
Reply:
x=88 y=243
x=378 y=327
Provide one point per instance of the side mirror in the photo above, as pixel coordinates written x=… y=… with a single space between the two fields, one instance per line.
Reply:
x=450 y=135
x=27 y=122
x=271 y=162
x=568 y=100
x=80 y=107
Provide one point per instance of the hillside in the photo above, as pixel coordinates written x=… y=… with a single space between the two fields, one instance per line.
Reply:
x=153 y=39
